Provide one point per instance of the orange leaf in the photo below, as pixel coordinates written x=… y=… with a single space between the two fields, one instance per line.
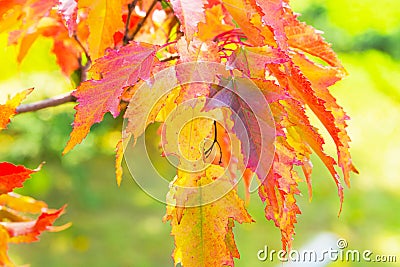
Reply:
x=104 y=20
x=309 y=40
x=4 y=239
x=214 y=24
x=9 y=109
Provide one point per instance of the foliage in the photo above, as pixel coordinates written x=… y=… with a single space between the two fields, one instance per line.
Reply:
x=125 y=43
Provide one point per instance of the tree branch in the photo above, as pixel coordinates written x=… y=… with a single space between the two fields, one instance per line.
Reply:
x=141 y=22
x=50 y=102
x=131 y=7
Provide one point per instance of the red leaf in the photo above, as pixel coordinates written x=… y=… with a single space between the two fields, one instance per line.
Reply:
x=116 y=70
x=12 y=176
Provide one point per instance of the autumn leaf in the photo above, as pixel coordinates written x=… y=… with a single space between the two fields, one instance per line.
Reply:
x=15 y=227
x=252 y=61
x=8 y=110
x=204 y=237
x=29 y=231
x=306 y=38
x=12 y=176
x=272 y=12
x=104 y=19
x=189 y=13
x=278 y=192
x=249 y=22
x=214 y=24
x=113 y=72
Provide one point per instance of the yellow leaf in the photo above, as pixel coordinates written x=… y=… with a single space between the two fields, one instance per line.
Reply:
x=9 y=109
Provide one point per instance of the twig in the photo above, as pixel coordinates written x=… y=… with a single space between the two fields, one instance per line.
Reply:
x=50 y=102
x=131 y=7
x=83 y=68
x=173 y=57
x=141 y=22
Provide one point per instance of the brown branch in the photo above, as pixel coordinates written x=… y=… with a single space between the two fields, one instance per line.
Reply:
x=131 y=7
x=172 y=57
x=83 y=68
x=142 y=21
x=50 y=102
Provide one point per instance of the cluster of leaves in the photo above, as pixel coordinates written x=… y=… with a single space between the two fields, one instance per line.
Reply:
x=126 y=42
x=17 y=223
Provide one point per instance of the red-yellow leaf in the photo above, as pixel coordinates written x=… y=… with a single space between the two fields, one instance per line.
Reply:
x=12 y=176
x=30 y=231
x=252 y=61
x=116 y=70
x=278 y=191
x=306 y=38
x=321 y=78
x=273 y=13
x=8 y=110
x=4 y=239
x=104 y=20
x=204 y=237
x=189 y=13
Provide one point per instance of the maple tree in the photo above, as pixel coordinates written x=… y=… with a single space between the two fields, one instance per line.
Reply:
x=248 y=69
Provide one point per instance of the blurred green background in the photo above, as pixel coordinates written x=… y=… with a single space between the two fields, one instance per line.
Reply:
x=122 y=226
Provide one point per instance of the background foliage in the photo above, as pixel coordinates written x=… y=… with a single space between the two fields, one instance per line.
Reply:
x=122 y=226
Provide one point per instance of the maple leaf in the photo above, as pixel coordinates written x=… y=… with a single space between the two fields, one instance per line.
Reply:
x=189 y=13
x=306 y=38
x=252 y=61
x=194 y=51
x=321 y=78
x=104 y=20
x=12 y=176
x=214 y=24
x=255 y=126
x=278 y=191
x=116 y=70
x=9 y=108
x=204 y=237
x=273 y=11
x=14 y=226
x=29 y=231
x=249 y=21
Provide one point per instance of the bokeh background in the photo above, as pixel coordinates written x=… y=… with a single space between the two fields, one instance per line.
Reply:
x=122 y=226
